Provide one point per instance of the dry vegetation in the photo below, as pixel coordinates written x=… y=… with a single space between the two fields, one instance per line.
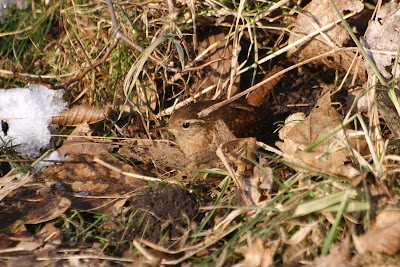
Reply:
x=319 y=187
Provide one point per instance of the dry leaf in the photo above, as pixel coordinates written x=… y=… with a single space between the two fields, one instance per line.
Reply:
x=10 y=182
x=80 y=114
x=330 y=156
x=387 y=22
x=337 y=257
x=46 y=210
x=315 y=15
x=26 y=205
x=263 y=175
x=256 y=255
x=384 y=237
x=302 y=233
x=294 y=253
x=48 y=234
x=80 y=142
x=260 y=95
x=79 y=176
x=386 y=218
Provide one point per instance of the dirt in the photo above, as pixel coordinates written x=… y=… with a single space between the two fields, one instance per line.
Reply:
x=163 y=214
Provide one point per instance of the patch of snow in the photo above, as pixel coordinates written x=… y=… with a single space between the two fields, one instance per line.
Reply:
x=28 y=112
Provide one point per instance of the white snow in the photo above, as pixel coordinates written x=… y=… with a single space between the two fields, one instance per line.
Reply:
x=28 y=112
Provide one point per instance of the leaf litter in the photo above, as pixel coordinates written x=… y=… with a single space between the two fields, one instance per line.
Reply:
x=148 y=203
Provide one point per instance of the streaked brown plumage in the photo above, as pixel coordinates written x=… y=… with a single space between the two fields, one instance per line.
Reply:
x=193 y=134
x=241 y=118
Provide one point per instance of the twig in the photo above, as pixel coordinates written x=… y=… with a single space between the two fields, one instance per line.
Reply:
x=206 y=64
x=133 y=175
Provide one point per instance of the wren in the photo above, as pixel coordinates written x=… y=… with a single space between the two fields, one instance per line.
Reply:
x=238 y=119
x=193 y=134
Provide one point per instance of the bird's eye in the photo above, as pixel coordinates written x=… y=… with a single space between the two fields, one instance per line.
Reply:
x=186 y=124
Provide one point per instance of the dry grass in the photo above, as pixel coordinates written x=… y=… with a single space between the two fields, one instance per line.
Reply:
x=148 y=67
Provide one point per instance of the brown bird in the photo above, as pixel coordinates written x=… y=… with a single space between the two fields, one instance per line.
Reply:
x=241 y=118
x=193 y=134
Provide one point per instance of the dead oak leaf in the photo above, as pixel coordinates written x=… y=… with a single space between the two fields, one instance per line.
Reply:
x=316 y=15
x=303 y=143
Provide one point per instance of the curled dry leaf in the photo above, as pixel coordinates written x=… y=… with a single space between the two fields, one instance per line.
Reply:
x=384 y=237
x=30 y=204
x=30 y=211
x=80 y=114
x=330 y=156
x=387 y=21
x=47 y=210
x=315 y=15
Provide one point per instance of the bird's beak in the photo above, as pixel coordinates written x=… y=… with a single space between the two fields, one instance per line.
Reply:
x=161 y=127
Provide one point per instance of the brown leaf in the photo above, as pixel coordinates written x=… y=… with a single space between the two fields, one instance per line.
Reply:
x=259 y=96
x=81 y=143
x=49 y=234
x=294 y=253
x=322 y=120
x=387 y=22
x=257 y=255
x=11 y=181
x=80 y=176
x=263 y=175
x=46 y=210
x=384 y=237
x=382 y=240
x=316 y=15
x=386 y=218
x=330 y=156
x=337 y=257
x=80 y=114
x=26 y=206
